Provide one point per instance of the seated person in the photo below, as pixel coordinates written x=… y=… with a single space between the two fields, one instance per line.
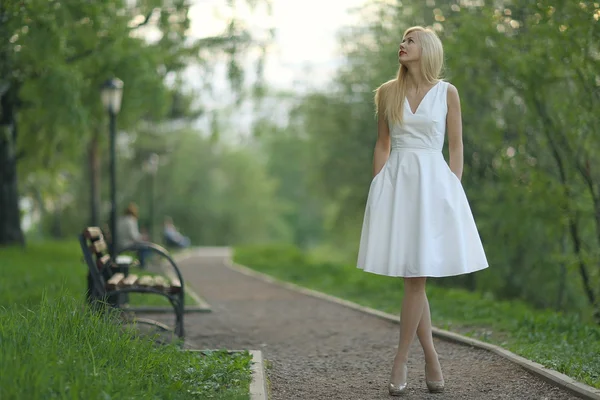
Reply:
x=173 y=238
x=128 y=232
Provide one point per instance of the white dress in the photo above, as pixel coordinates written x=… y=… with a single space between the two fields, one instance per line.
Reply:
x=417 y=219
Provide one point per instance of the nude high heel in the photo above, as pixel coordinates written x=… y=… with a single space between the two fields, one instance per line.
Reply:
x=434 y=386
x=399 y=389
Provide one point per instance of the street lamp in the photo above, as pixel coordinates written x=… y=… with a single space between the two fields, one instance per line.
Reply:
x=111 y=94
x=151 y=167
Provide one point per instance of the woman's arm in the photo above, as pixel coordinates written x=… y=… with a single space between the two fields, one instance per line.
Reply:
x=382 y=146
x=454 y=127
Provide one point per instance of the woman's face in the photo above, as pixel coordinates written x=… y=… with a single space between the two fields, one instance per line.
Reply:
x=410 y=49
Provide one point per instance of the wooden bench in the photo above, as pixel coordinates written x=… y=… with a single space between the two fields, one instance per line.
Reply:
x=107 y=280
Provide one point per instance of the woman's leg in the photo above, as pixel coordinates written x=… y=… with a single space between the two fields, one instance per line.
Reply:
x=433 y=368
x=413 y=304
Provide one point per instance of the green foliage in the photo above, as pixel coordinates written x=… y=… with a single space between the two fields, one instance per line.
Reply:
x=60 y=53
x=216 y=193
x=59 y=350
x=287 y=155
x=561 y=342
x=54 y=55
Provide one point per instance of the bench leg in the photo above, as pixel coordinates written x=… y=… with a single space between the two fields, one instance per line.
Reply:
x=90 y=288
x=179 y=311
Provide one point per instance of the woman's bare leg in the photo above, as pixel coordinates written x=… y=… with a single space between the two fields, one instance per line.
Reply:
x=413 y=304
x=433 y=368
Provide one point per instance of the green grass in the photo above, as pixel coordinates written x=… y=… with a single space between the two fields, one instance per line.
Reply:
x=558 y=341
x=51 y=346
x=58 y=349
x=50 y=266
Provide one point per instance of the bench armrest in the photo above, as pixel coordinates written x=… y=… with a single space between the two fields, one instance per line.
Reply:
x=161 y=251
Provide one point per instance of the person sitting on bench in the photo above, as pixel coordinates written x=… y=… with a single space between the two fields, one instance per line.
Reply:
x=129 y=232
x=173 y=238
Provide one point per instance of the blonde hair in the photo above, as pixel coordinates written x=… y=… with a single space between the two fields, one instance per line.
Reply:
x=391 y=95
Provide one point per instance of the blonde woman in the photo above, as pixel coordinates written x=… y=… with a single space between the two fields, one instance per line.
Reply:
x=417 y=221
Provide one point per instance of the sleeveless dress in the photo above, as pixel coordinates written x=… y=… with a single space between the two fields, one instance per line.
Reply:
x=417 y=220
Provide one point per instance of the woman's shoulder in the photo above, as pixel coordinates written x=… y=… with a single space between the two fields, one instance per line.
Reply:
x=452 y=97
x=449 y=86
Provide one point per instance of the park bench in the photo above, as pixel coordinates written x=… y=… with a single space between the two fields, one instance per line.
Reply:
x=107 y=279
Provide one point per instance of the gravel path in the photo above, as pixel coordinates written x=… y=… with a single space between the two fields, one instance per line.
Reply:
x=320 y=350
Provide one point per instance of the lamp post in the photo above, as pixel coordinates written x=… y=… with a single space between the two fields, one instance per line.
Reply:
x=151 y=167
x=111 y=94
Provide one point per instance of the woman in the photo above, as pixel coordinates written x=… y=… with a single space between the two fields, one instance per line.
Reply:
x=417 y=221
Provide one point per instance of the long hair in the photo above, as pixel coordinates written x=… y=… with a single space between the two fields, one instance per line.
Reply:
x=391 y=95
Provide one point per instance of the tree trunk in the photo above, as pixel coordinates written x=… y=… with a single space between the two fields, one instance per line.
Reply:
x=10 y=216
x=56 y=230
x=94 y=170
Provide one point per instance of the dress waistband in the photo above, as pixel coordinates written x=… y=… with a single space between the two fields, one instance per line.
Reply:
x=415 y=148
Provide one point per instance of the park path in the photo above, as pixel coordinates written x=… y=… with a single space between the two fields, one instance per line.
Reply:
x=321 y=350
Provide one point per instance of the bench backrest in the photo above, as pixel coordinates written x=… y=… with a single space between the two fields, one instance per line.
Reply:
x=95 y=253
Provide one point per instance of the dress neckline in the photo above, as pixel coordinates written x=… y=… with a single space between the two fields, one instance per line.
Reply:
x=422 y=100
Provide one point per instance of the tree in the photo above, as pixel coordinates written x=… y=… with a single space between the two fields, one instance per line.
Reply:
x=54 y=55
x=217 y=193
x=288 y=153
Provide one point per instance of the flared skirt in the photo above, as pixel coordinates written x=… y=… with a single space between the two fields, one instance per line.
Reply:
x=418 y=221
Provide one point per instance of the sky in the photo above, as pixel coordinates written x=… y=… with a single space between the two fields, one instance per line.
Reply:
x=305 y=35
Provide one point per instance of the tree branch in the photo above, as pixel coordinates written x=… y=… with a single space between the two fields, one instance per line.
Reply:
x=87 y=53
x=583 y=168
x=107 y=42
x=145 y=21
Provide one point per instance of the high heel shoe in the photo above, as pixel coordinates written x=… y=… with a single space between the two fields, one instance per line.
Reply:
x=434 y=386
x=399 y=389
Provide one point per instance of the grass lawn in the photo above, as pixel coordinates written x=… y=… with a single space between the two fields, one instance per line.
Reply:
x=51 y=346
x=558 y=341
x=53 y=266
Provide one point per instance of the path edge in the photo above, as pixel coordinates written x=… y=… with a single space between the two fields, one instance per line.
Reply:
x=258 y=386
x=551 y=376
